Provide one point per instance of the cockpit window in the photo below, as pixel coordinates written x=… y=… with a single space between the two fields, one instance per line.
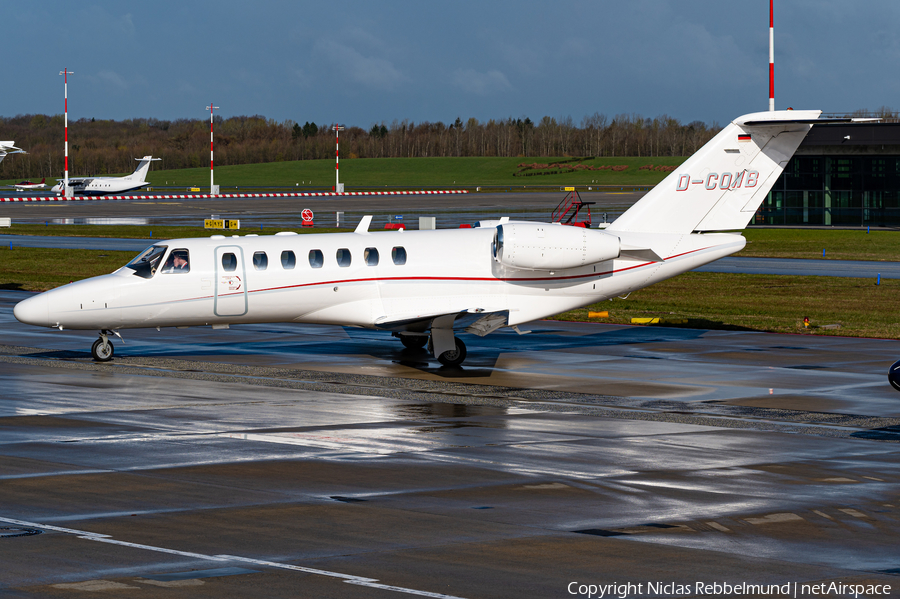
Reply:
x=146 y=263
x=179 y=261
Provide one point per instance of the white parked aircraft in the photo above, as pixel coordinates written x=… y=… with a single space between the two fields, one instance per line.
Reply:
x=26 y=185
x=424 y=286
x=97 y=186
x=9 y=147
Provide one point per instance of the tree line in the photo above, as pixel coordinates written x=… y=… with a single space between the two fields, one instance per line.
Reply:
x=100 y=147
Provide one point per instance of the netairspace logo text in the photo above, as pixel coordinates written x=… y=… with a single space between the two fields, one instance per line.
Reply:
x=721 y=589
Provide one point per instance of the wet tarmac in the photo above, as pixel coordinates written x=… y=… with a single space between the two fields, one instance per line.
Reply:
x=303 y=461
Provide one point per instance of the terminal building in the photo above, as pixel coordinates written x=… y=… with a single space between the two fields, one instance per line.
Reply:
x=842 y=175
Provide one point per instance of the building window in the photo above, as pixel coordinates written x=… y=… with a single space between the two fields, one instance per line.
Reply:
x=260 y=260
x=288 y=260
x=343 y=257
x=371 y=257
x=316 y=259
x=398 y=255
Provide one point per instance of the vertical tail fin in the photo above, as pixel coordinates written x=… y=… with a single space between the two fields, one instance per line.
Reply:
x=140 y=173
x=721 y=186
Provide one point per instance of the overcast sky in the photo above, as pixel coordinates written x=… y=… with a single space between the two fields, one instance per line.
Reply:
x=363 y=62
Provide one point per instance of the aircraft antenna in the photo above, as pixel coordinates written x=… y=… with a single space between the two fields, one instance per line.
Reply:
x=771 y=55
x=65 y=73
x=337 y=159
x=212 y=188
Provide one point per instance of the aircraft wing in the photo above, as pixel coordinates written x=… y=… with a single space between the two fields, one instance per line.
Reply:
x=479 y=321
x=7 y=147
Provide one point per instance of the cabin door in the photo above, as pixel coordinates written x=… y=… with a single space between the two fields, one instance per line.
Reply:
x=231 y=282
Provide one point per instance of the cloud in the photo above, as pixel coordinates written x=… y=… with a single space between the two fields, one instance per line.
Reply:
x=112 y=80
x=481 y=84
x=371 y=71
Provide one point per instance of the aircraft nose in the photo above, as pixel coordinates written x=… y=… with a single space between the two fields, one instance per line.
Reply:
x=34 y=310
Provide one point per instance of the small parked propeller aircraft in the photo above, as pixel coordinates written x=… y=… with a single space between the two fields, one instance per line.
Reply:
x=424 y=286
x=26 y=185
x=98 y=186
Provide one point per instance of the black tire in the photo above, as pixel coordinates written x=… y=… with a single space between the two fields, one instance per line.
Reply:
x=102 y=352
x=894 y=375
x=454 y=357
x=413 y=341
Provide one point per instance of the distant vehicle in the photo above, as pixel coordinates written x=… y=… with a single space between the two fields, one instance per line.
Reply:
x=26 y=185
x=425 y=286
x=98 y=186
x=8 y=147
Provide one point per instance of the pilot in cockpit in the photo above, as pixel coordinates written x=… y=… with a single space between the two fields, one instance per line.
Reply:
x=178 y=262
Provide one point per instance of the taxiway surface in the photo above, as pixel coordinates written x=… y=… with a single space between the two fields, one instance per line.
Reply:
x=286 y=461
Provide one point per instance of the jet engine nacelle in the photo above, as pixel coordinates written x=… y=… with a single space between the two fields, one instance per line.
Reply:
x=537 y=246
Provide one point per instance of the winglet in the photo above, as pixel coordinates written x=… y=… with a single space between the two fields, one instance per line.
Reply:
x=363 y=226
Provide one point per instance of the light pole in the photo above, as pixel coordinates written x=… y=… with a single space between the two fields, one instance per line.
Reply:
x=338 y=188
x=212 y=188
x=771 y=55
x=65 y=73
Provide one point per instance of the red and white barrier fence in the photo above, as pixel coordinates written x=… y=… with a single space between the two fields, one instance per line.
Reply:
x=199 y=196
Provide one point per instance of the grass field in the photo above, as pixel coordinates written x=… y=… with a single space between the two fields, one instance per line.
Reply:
x=762 y=303
x=358 y=173
x=879 y=244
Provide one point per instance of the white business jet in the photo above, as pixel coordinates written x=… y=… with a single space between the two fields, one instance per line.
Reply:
x=425 y=286
x=28 y=185
x=98 y=186
x=9 y=147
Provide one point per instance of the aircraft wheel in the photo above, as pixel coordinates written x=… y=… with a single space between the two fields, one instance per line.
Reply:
x=413 y=341
x=454 y=357
x=102 y=350
x=894 y=375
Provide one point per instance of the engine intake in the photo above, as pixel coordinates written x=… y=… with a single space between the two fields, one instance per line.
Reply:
x=536 y=246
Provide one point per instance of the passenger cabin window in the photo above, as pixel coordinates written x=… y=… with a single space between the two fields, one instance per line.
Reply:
x=288 y=260
x=179 y=261
x=145 y=264
x=371 y=257
x=343 y=257
x=316 y=259
x=398 y=255
x=229 y=262
x=260 y=260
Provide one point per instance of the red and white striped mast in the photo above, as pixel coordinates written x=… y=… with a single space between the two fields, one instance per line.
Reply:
x=771 y=55
x=211 y=108
x=337 y=158
x=65 y=73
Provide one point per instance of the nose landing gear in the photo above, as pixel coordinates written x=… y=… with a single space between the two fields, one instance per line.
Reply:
x=102 y=350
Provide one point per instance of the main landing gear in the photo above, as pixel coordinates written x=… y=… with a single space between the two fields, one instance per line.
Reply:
x=454 y=350
x=102 y=350
x=454 y=357
x=413 y=341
